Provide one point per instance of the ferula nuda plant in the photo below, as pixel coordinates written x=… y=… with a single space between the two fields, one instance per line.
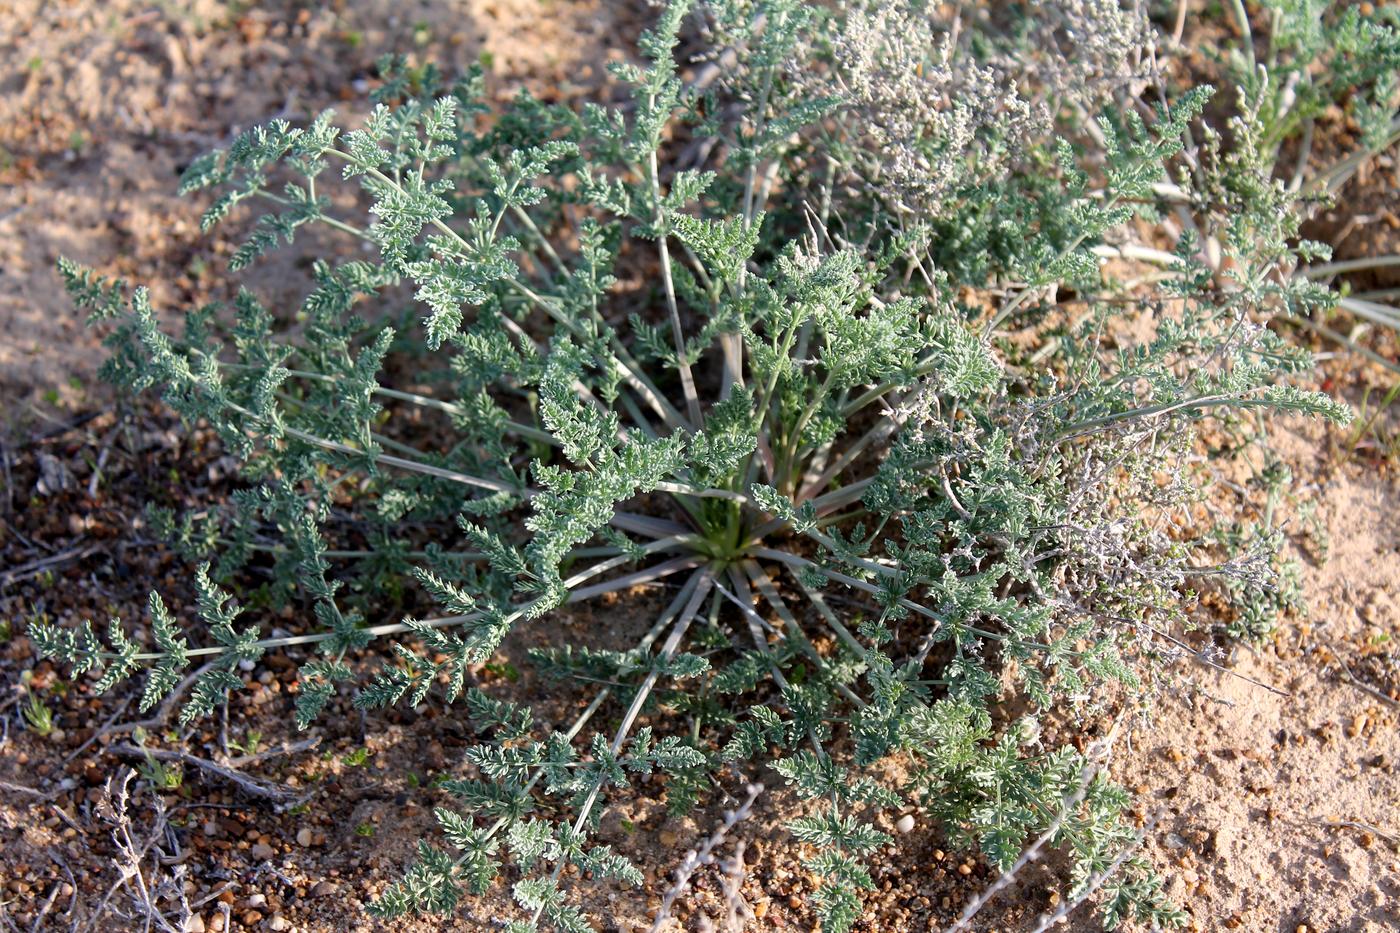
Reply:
x=814 y=329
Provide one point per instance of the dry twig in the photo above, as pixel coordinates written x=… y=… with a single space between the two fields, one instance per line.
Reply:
x=11 y=788
x=253 y=787
x=697 y=858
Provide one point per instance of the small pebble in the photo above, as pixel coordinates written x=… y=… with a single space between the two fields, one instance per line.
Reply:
x=905 y=823
x=195 y=924
x=304 y=836
x=278 y=922
x=262 y=851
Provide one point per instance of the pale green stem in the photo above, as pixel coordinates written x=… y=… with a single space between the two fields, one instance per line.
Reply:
x=375 y=631
x=828 y=616
x=769 y=592
x=1203 y=401
x=692 y=399
x=644 y=645
x=705 y=580
x=424 y=401
x=795 y=561
x=1349 y=265
x=629 y=373
x=1241 y=16
x=1346 y=341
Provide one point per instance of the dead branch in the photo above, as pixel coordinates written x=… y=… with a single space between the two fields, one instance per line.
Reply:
x=286 y=748
x=253 y=787
x=163 y=711
x=697 y=858
x=8 y=787
x=38 y=566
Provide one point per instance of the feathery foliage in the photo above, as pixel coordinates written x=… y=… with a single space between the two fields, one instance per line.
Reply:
x=876 y=361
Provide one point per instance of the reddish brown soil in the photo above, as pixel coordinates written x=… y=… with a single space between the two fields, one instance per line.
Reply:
x=1269 y=811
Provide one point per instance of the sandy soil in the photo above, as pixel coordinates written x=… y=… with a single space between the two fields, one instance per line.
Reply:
x=1277 y=804
x=1271 y=809
x=102 y=104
